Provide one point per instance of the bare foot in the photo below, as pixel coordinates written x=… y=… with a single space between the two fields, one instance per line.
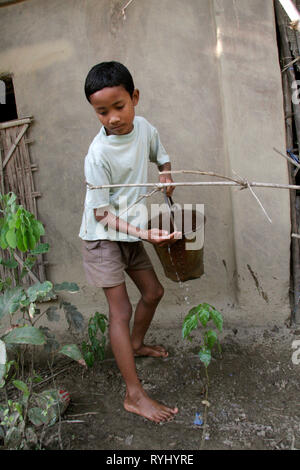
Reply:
x=153 y=351
x=142 y=405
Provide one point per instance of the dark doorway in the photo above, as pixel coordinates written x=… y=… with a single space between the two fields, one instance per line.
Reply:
x=8 y=108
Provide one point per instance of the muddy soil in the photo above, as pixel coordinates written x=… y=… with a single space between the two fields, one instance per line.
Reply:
x=254 y=397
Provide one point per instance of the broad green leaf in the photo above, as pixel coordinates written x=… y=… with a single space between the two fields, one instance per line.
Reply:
x=21 y=386
x=203 y=314
x=25 y=335
x=11 y=238
x=3 y=242
x=68 y=286
x=205 y=356
x=25 y=241
x=189 y=323
x=39 y=290
x=102 y=321
x=31 y=239
x=217 y=318
x=9 y=263
x=210 y=337
x=89 y=358
x=72 y=351
x=38 y=229
x=20 y=243
x=41 y=248
x=12 y=221
x=10 y=300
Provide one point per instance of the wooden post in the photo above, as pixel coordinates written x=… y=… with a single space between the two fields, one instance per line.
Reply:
x=291 y=110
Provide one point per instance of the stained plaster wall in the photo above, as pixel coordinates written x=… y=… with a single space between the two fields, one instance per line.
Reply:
x=209 y=79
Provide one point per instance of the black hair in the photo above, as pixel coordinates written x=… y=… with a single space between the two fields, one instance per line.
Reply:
x=108 y=74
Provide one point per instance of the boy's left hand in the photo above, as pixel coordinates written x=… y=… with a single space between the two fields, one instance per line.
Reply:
x=167 y=179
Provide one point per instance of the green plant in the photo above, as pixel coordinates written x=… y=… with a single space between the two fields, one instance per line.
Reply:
x=201 y=315
x=19 y=230
x=95 y=349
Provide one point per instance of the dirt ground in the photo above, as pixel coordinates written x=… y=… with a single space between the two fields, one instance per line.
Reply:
x=254 y=397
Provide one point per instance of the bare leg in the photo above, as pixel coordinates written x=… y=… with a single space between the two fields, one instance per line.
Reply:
x=151 y=293
x=136 y=399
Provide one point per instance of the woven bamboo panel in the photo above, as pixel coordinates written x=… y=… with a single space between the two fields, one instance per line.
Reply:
x=17 y=176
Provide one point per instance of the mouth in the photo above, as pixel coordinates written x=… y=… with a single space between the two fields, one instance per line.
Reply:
x=117 y=128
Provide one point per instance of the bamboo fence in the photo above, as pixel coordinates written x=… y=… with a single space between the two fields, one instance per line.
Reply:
x=16 y=171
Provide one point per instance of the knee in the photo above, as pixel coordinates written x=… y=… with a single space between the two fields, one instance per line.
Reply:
x=154 y=296
x=120 y=314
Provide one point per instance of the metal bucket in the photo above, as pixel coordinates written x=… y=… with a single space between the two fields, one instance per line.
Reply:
x=182 y=259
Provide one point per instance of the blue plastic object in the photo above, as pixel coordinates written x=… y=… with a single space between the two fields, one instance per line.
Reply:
x=198 y=419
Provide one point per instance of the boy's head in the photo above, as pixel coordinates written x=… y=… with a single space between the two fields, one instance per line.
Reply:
x=108 y=74
x=110 y=89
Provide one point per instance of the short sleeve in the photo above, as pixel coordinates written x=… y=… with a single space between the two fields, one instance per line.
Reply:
x=157 y=154
x=96 y=175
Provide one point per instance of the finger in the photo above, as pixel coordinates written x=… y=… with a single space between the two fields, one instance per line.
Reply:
x=176 y=235
x=170 y=190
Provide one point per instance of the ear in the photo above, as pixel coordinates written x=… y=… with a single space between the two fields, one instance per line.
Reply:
x=135 y=96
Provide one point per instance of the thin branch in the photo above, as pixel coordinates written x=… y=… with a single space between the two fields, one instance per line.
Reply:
x=290 y=64
x=198 y=172
x=54 y=375
x=124 y=8
x=260 y=204
x=288 y=158
x=30 y=273
x=139 y=199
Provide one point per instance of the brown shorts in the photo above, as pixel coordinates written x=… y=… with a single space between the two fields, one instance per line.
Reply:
x=105 y=261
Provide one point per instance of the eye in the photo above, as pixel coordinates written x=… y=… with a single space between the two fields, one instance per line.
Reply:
x=102 y=113
x=120 y=107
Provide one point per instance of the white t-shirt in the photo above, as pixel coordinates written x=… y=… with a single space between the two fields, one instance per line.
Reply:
x=118 y=159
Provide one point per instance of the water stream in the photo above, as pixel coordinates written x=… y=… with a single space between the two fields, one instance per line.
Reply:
x=182 y=286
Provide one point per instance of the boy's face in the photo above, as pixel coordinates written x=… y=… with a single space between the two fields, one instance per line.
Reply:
x=115 y=109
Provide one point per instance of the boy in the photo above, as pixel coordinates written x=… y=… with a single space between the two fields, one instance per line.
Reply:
x=111 y=245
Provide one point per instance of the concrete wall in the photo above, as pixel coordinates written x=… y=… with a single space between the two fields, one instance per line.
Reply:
x=209 y=79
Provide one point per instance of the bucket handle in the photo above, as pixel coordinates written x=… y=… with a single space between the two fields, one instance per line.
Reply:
x=170 y=203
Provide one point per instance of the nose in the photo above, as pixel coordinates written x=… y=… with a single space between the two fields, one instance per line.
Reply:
x=113 y=120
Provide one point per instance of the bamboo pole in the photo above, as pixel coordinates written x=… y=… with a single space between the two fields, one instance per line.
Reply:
x=15 y=144
x=15 y=122
x=242 y=184
x=1 y=172
x=287 y=80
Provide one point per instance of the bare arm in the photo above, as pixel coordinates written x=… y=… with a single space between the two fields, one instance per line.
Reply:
x=154 y=236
